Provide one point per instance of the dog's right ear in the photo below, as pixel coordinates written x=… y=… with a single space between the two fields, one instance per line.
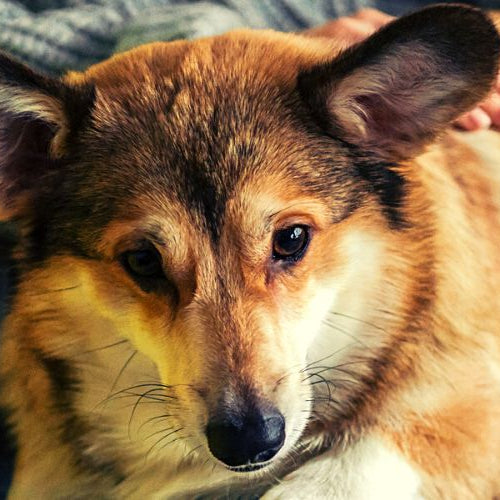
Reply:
x=37 y=116
x=393 y=93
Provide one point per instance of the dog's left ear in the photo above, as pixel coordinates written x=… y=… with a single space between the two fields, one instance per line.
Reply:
x=392 y=93
x=37 y=116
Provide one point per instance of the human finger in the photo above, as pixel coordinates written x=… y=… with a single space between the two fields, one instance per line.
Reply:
x=474 y=120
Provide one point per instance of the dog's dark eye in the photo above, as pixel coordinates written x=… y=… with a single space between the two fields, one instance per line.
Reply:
x=290 y=243
x=144 y=263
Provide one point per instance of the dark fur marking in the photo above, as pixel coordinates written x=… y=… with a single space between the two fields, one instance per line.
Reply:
x=359 y=173
x=75 y=428
x=8 y=269
x=62 y=376
x=8 y=448
x=207 y=196
x=389 y=187
x=25 y=158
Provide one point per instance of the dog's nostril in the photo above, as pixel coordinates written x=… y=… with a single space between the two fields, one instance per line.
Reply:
x=266 y=455
x=249 y=440
x=274 y=429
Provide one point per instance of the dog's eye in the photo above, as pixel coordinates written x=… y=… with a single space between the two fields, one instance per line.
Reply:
x=290 y=243
x=144 y=263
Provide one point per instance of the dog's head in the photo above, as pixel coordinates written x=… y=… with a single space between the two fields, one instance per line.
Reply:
x=243 y=211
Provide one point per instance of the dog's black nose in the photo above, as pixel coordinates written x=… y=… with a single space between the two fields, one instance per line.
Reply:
x=246 y=440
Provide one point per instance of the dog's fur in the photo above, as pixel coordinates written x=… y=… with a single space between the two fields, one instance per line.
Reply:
x=380 y=347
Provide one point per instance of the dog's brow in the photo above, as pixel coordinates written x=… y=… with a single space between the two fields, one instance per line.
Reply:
x=273 y=215
x=153 y=235
x=288 y=207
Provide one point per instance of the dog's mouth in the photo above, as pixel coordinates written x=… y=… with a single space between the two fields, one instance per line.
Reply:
x=249 y=467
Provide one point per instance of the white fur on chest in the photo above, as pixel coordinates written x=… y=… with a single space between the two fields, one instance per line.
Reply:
x=369 y=470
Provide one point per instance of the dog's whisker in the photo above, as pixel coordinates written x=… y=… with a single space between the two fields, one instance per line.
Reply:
x=312 y=364
x=323 y=380
x=332 y=325
x=172 y=442
x=134 y=409
x=156 y=387
x=120 y=373
x=160 y=418
x=145 y=402
x=47 y=291
x=129 y=394
x=120 y=342
x=336 y=383
x=161 y=440
x=161 y=431
x=329 y=369
x=364 y=322
x=193 y=450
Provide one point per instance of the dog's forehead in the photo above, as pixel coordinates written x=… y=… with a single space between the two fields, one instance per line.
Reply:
x=220 y=94
x=193 y=126
x=188 y=130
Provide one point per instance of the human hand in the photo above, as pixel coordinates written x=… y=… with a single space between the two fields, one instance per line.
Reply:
x=355 y=28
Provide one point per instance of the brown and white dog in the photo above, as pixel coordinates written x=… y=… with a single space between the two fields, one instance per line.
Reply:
x=251 y=263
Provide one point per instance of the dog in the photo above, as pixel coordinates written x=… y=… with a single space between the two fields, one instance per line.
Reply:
x=253 y=265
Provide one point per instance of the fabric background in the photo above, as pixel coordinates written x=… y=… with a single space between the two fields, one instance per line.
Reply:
x=58 y=35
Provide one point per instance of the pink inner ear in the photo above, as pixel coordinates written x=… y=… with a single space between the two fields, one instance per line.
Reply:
x=380 y=116
x=393 y=107
x=397 y=90
x=393 y=118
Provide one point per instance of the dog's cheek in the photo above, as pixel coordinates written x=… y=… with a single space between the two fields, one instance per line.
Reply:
x=96 y=304
x=339 y=323
x=301 y=299
x=310 y=291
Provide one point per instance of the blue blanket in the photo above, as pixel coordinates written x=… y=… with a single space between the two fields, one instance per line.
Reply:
x=57 y=35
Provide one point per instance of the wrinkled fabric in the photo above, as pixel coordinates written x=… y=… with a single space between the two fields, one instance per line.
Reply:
x=57 y=35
